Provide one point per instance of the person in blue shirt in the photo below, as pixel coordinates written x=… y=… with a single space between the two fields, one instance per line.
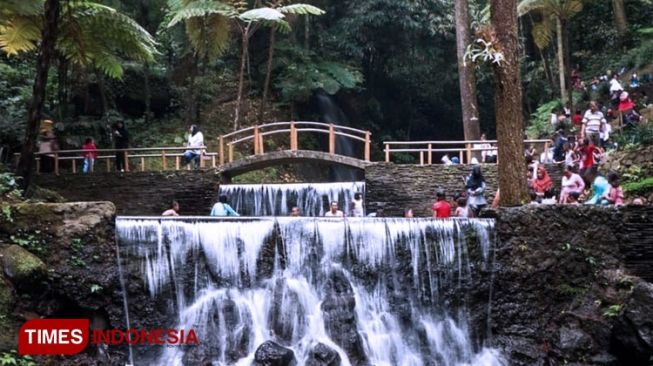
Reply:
x=600 y=186
x=222 y=208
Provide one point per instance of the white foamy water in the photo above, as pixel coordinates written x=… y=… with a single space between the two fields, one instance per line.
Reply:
x=240 y=282
x=278 y=199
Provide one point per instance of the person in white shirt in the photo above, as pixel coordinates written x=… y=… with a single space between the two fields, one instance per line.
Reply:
x=334 y=212
x=593 y=123
x=195 y=140
x=615 y=87
x=357 y=206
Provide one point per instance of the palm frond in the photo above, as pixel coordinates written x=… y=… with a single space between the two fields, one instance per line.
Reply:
x=301 y=9
x=202 y=8
x=261 y=14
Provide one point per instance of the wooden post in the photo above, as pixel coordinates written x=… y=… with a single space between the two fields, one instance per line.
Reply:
x=177 y=163
x=142 y=163
x=202 y=164
x=213 y=160
x=221 y=151
x=461 y=157
x=56 y=163
x=468 y=147
x=164 y=160
x=260 y=144
x=108 y=165
x=387 y=153
x=430 y=158
x=546 y=149
x=126 y=161
x=332 y=140
x=367 y=145
x=74 y=165
x=256 y=143
x=231 y=152
x=38 y=165
x=293 y=136
x=421 y=158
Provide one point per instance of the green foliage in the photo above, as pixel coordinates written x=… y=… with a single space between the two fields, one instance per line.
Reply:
x=32 y=241
x=613 y=311
x=642 y=187
x=9 y=186
x=12 y=358
x=303 y=72
x=540 y=124
x=16 y=76
x=634 y=137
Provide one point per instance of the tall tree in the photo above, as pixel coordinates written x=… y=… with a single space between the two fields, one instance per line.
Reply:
x=508 y=97
x=466 y=77
x=555 y=16
x=48 y=40
x=620 y=21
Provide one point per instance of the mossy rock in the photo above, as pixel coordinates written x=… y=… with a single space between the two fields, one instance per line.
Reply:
x=22 y=267
x=8 y=325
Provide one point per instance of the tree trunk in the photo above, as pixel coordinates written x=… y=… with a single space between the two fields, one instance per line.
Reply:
x=62 y=81
x=307 y=33
x=268 y=75
x=509 y=116
x=147 y=92
x=192 y=105
x=241 y=77
x=466 y=76
x=561 y=61
x=48 y=41
x=620 y=21
x=103 y=92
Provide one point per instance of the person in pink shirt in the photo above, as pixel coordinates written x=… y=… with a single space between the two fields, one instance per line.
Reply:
x=615 y=195
x=90 y=154
x=571 y=182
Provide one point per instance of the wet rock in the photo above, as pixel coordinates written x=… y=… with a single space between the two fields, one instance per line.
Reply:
x=22 y=267
x=633 y=333
x=323 y=355
x=272 y=354
x=572 y=339
x=340 y=317
x=7 y=330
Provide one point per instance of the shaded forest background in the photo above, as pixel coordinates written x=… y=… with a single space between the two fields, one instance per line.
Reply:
x=389 y=65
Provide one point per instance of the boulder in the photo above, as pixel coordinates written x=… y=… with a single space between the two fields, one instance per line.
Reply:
x=272 y=354
x=8 y=330
x=22 y=267
x=633 y=333
x=323 y=355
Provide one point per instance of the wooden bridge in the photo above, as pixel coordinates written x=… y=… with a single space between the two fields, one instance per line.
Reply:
x=272 y=144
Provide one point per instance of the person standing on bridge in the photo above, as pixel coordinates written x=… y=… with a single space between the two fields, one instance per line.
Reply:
x=120 y=141
x=195 y=140
x=222 y=208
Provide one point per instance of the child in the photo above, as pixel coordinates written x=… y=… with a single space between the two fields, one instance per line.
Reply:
x=90 y=154
x=573 y=197
x=615 y=195
x=441 y=208
x=571 y=159
x=462 y=210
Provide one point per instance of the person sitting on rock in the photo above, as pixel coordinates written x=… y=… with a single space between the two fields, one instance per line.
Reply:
x=542 y=184
x=334 y=211
x=615 y=195
x=222 y=208
x=571 y=183
x=600 y=186
x=173 y=210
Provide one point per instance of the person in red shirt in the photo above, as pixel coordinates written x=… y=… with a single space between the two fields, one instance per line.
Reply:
x=90 y=154
x=577 y=120
x=586 y=150
x=441 y=208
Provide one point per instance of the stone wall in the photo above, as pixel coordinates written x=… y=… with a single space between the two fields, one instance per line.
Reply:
x=140 y=193
x=399 y=187
x=565 y=286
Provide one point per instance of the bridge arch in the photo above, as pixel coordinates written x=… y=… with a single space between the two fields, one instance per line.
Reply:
x=274 y=158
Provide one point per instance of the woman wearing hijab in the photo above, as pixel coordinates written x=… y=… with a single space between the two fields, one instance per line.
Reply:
x=475 y=187
x=542 y=184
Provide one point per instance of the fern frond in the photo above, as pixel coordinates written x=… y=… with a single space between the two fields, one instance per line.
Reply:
x=542 y=33
x=24 y=8
x=201 y=8
x=301 y=9
x=19 y=34
x=262 y=14
x=209 y=36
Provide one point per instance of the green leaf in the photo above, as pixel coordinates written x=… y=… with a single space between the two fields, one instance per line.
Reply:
x=301 y=9
x=202 y=8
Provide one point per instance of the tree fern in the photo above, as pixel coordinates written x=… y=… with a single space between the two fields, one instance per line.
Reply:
x=19 y=34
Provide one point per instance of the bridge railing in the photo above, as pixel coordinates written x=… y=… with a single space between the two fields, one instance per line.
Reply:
x=159 y=158
x=252 y=138
x=464 y=150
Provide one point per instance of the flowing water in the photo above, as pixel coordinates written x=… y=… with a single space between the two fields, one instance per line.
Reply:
x=380 y=291
x=278 y=199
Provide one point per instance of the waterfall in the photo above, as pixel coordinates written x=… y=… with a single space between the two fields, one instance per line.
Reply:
x=278 y=199
x=380 y=291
